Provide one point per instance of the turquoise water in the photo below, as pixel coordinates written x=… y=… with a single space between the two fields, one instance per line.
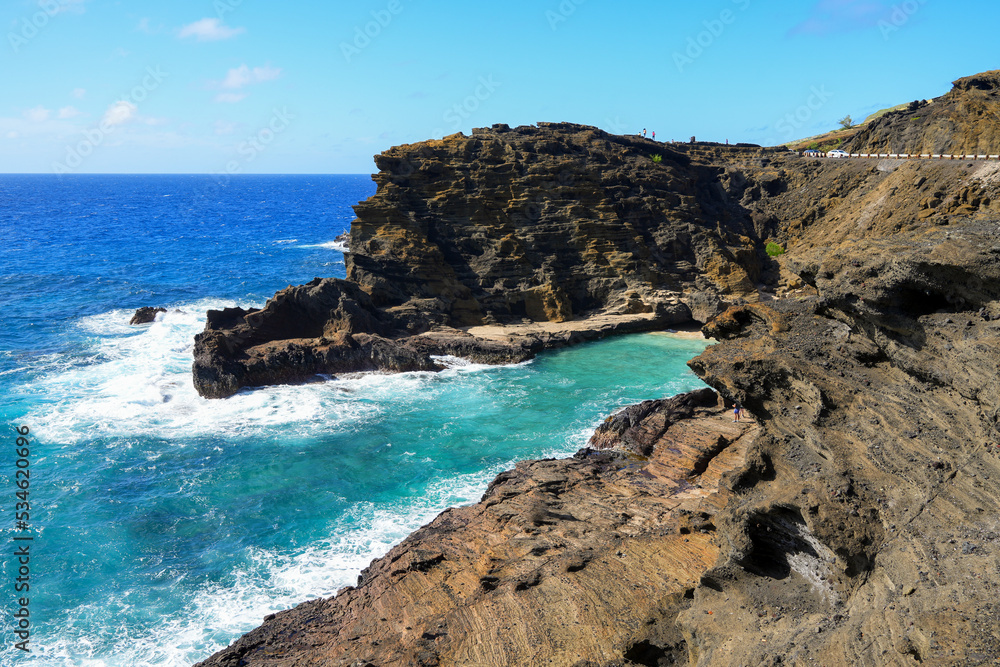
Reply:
x=167 y=525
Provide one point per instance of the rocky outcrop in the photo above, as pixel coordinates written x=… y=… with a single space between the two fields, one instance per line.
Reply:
x=965 y=121
x=580 y=561
x=863 y=528
x=854 y=522
x=330 y=326
x=146 y=314
x=565 y=224
x=558 y=223
x=547 y=223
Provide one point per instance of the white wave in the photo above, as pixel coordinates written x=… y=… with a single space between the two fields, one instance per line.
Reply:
x=136 y=382
x=285 y=241
x=329 y=245
x=266 y=583
x=450 y=362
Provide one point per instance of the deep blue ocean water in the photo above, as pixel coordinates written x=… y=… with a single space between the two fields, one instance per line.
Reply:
x=165 y=525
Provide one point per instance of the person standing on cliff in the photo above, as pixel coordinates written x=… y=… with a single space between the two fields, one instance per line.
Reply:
x=654 y=135
x=737 y=411
x=643 y=133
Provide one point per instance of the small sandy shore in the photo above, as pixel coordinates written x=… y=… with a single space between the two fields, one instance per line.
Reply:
x=597 y=323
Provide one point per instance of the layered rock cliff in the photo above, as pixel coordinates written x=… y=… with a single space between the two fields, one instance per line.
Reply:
x=562 y=223
x=965 y=121
x=562 y=562
x=864 y=528
x=854 y=522
x=543 y=224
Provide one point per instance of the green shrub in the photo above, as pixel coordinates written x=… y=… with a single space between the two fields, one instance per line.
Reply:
x=773 y=249
x=657 y=158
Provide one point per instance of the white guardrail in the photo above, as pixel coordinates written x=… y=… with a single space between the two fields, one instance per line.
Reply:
x=907 y=156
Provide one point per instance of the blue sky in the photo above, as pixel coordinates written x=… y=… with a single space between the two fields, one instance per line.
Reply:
x=248 y=86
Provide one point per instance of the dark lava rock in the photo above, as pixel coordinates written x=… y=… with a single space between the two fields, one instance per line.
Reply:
x=146 y=314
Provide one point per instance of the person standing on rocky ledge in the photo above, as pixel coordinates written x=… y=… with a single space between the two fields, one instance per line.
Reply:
x=643 y=133
x=737 y=411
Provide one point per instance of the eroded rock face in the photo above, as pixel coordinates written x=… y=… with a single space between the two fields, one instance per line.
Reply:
x=561 y=223
x=548 y=223
x=580 y=561
x=853 y=522
x=864 y=527
x=324 y=327
x=962 y=122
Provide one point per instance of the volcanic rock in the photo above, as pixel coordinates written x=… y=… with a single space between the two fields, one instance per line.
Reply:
x=965 y=121
x=876 y=464
x=561 y=562
x=146 y=314
x=853 y=522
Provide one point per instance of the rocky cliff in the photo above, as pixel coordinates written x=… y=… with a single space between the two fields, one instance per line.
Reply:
x=554 y=223
x=854 y=522
x=562 y=562
x=965 y=121
x=564 y=224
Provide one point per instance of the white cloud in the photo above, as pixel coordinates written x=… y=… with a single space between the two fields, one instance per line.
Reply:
x=230 y=98
x=223 y=127
x=37 y=115
x=69 y=112
x=13 y=135
x=209 y=30
x=119 y=53
x=243 y=75
x=118 y=113
x=237 y=78
x=79 y=93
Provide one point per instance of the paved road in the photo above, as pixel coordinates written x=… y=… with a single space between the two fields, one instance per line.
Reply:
x=907 y=156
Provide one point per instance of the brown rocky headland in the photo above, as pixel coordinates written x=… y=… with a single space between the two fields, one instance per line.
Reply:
x=854 y=521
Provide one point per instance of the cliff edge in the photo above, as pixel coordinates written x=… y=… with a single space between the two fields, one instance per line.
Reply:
x=965 y=121
x=853 y=522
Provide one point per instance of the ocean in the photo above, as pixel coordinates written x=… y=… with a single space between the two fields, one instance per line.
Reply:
x=158 y=526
